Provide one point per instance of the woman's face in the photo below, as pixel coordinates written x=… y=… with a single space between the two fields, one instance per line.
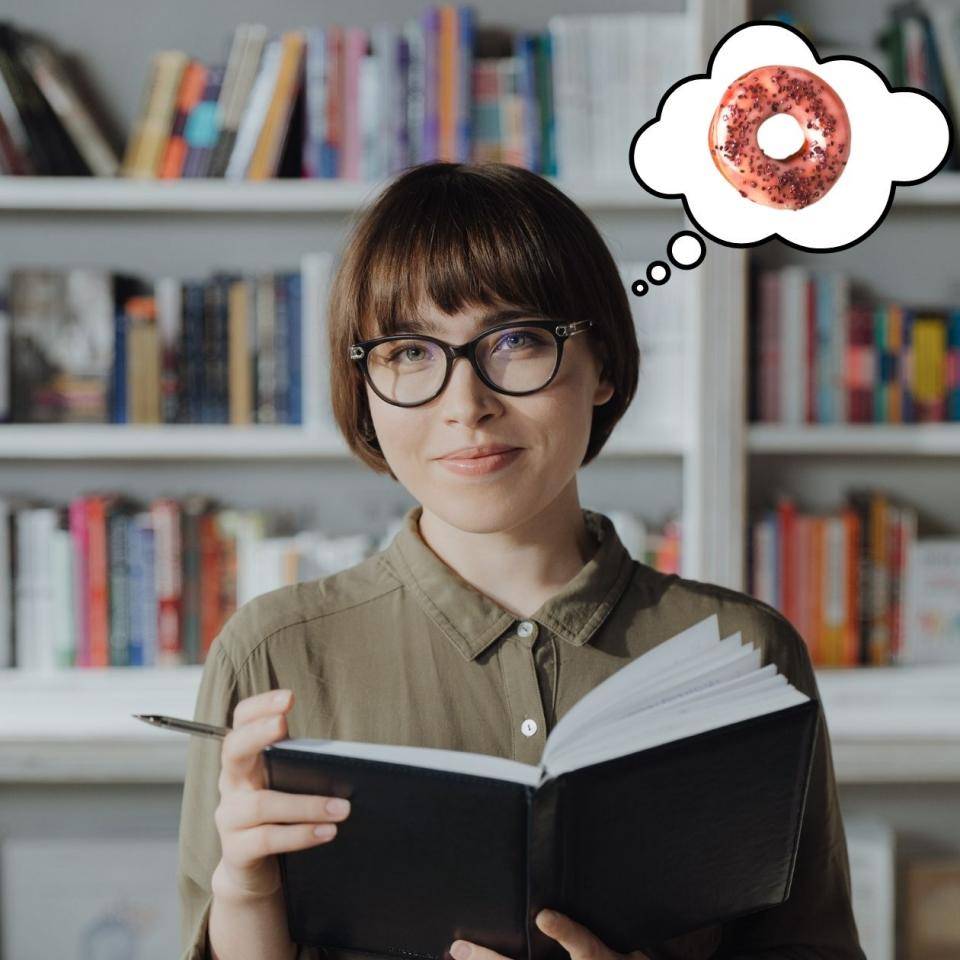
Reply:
x=551 y=426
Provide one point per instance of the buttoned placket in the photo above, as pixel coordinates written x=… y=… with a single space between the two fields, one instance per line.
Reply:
x=527 y=721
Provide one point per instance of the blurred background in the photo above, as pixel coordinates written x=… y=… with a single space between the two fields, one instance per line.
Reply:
x=175 y=184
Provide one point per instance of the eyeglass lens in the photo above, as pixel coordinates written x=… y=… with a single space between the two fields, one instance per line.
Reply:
x=411 y=370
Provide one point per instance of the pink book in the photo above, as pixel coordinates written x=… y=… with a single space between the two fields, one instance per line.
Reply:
x=355 y=45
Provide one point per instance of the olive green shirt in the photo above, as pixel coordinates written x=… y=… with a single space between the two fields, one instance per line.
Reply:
x=401 y=649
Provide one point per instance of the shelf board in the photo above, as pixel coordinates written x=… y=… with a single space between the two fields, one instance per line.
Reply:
x=886 y=724
x=96 y=194
x=109 y=441
x=929 y=439
x=100 y=194
x=893 y=724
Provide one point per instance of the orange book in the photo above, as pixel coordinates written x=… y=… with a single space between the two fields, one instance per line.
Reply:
x=447 y=78
x=189 y=95
x=266 y=154
x=815 y=640
x=97 y=581
x=786 y=512
x=851 y=639
x=834 y=618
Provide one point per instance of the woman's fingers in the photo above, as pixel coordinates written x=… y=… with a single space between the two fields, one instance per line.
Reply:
x=258 y=721
x=249 y=808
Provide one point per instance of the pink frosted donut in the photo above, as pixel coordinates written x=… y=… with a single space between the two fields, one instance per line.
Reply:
x=807 y=174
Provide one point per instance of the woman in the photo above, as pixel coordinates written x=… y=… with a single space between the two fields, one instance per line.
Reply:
x=500 y=602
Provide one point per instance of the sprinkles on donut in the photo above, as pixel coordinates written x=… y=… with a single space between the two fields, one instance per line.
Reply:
x=803 y=177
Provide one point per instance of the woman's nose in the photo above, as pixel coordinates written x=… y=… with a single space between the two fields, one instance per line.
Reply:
x=465 y=392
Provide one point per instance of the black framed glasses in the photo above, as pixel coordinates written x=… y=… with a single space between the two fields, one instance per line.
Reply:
x=517 y=358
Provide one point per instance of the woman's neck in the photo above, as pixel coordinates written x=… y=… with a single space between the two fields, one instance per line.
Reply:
x=524 y=566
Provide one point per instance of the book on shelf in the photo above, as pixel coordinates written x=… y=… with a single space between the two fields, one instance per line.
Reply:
x=107 y=580
x=871 y=848
x=46 y=124
x=668 y=798
x=921 y=42
x=932 y=605
x=858 y=583
x=820 y=353
x=93 y=346
x=361 y=103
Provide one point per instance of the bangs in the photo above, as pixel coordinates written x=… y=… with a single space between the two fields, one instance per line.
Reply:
x=459 y=242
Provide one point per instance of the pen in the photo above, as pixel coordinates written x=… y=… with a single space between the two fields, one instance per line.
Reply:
x=184 y=726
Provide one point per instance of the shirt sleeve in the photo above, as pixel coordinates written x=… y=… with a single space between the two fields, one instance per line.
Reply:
x=816 y=922
x=199 y=841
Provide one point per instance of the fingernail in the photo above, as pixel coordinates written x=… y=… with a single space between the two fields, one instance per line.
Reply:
x=548 y=916
x=280 y=699
x=460 y=950
x=338 y=805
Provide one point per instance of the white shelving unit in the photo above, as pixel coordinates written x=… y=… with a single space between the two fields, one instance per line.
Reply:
x=887 y=724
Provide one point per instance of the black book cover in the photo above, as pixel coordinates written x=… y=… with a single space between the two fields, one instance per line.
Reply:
x=639 y=848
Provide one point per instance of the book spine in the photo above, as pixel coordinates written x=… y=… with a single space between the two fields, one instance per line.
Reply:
x=547 y=870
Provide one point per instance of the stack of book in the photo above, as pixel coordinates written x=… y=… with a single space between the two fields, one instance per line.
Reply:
x=91 y=346
x=108 y=580
x=821 y=355
x=857 y=583
x=46 y=124
x=347 y=102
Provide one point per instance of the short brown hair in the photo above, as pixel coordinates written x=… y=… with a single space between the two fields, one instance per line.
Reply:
x=460 y=234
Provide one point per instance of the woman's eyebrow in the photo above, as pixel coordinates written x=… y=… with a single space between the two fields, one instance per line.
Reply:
x=424 y=325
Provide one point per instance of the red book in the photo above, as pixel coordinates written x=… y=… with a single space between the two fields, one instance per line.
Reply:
x=859 y=366
x=191 y=90
x=79 y=536
x=99 y=609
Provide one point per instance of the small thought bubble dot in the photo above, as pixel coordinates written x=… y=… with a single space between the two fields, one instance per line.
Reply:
x=639 y=288
x=686 y=250
x=658 y=272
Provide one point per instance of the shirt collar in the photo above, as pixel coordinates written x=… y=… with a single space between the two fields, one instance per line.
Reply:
x=472 y=621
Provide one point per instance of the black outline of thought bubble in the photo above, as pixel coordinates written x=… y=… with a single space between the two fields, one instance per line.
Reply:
x=707 y=76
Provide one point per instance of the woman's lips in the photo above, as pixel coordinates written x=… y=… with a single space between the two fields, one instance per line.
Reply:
x=481 y=465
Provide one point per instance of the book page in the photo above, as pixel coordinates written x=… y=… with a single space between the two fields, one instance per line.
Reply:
x=669 y=728
x=729 y=658
x=683 y=648
x=433 y=758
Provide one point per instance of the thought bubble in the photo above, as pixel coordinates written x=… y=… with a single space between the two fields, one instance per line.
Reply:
x=816 y=148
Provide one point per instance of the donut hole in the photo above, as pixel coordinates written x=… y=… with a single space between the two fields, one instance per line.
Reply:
x=780 y=136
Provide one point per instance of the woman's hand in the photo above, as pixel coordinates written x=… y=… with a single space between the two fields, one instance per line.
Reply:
x=255 y=823
x=575 y=938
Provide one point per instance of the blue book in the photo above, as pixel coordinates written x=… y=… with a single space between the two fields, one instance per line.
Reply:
x=118 y=373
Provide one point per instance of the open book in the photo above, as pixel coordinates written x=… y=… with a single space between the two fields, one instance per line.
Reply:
x=668 y=798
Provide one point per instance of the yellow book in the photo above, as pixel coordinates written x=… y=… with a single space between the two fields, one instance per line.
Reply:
x=158 y=103
x=266 y=154
x=929 y=365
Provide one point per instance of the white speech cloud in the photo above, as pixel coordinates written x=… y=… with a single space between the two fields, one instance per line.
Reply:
x=897 y=137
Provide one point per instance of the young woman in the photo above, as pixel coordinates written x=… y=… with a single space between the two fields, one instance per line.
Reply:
x=482 y=351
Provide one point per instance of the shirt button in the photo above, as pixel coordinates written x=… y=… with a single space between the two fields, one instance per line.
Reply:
x=526 y=628
x=529 y=727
